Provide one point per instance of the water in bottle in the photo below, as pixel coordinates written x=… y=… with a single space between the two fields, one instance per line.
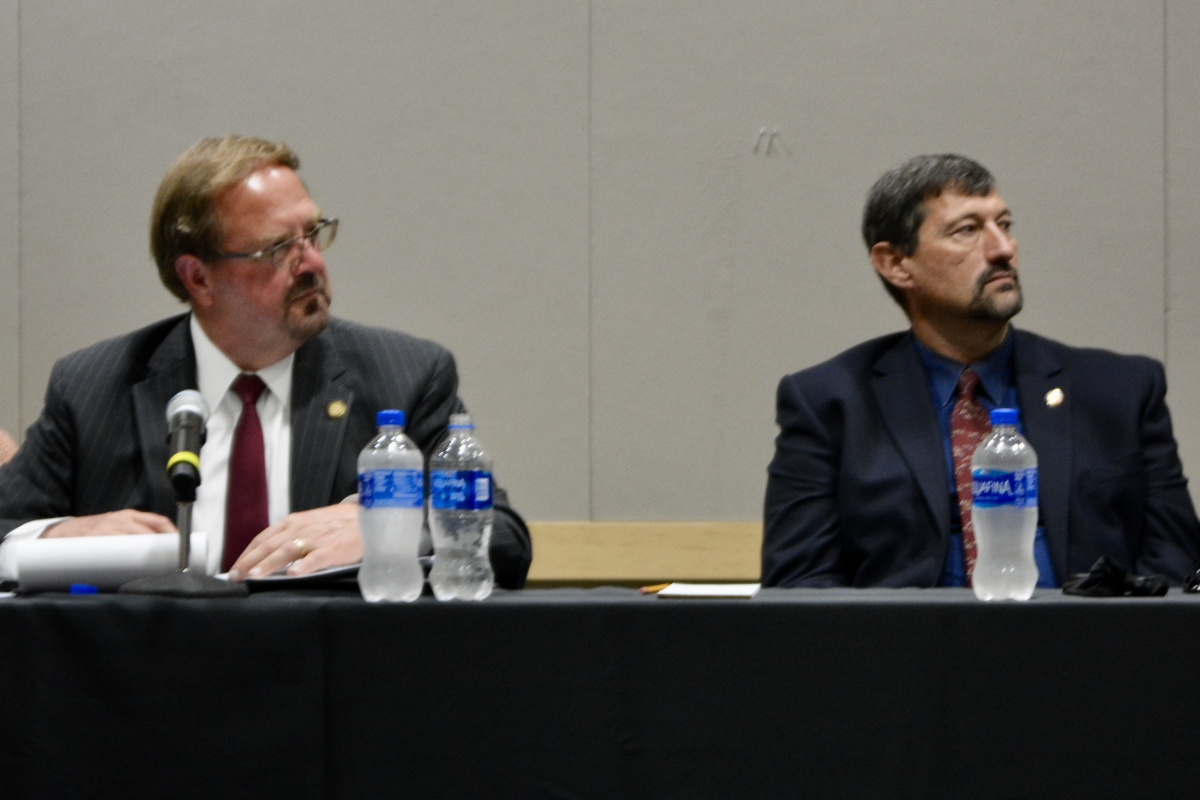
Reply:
x=391 y=505
x=460 y=516
x=1004 y=508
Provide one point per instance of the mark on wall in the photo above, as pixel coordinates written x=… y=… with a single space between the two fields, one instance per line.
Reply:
x=774 y=143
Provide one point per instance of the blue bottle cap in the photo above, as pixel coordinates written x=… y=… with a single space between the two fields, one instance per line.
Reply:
x=389 y=417
x=461 y=422
x=1004 y=416
x=84 y=588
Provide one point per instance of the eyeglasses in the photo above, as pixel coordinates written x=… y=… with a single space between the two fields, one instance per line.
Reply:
x=288 y=253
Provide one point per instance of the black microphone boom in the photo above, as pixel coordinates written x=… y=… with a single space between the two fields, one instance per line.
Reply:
x=187 y=414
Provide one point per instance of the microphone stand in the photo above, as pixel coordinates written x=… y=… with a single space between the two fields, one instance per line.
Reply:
x=183 y=521
x=185 y=582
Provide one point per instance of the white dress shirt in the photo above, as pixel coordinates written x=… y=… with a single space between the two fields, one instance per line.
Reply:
x=215 y=374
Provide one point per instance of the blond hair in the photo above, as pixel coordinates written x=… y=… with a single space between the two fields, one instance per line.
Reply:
x=184 y=218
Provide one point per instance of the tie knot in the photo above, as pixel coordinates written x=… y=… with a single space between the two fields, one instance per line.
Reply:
x=248 y=388
x=968 y=384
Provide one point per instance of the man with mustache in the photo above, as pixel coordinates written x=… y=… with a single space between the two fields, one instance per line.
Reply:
x=870 y=483
x=293 y=392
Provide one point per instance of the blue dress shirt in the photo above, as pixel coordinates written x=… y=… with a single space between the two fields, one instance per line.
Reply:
x=998 y=390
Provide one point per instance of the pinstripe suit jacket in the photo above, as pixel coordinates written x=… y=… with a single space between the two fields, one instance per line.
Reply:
x=100 y=443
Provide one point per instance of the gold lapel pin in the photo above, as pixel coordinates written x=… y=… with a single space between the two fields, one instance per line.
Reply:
x=337 y=409
x=1054 y=398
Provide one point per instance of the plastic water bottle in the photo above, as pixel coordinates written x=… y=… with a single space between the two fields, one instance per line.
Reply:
x=391 y=505
x=1004 y=508
x=460 y=517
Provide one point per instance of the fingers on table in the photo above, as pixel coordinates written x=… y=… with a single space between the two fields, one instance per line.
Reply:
x=114 y=523
x=307 y=540
x=268 y=552
x=154 y=523
x=298 y=554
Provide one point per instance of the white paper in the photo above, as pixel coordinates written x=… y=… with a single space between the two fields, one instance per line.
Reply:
x=8 y=547
x=105 y=562
x=736 y=591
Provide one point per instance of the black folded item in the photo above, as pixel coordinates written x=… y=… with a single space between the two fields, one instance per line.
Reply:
x=1107 y=579
x=1191 y=583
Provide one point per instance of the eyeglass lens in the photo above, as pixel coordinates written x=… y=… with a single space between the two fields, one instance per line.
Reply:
x=289 y=253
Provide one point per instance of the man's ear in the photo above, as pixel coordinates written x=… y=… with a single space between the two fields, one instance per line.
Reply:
x=196 y=279
x=891 y=264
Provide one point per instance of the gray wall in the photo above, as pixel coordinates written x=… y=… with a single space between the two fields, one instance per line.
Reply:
x=567 y=194
x=10 y=286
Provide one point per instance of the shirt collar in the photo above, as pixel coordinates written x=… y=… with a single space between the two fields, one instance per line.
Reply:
x=215 y=373
x=994 y=371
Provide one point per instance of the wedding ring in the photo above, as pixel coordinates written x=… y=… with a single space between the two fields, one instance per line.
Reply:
x=301 y=546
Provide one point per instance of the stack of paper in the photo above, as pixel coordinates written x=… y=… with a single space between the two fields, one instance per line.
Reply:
x=726 y=591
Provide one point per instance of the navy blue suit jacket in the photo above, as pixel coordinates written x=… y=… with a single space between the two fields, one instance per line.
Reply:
x=858 y=495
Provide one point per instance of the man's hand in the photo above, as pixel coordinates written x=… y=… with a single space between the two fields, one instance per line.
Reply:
x=8 y=448
x=114 y=523
x=308 y=540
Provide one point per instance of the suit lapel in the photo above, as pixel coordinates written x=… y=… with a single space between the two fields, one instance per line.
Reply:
x=316 y=435
x=171 y=368
x=901 y=390
x=1048 y=429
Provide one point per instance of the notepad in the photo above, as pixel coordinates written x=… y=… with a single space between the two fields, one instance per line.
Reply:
x=282 y=580
x=723 y=591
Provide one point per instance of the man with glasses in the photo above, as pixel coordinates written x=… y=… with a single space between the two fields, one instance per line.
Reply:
x=293 y=392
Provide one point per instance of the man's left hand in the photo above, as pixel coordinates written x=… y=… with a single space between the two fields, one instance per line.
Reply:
x=307 y=540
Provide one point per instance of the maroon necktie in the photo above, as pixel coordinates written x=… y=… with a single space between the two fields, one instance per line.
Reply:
x=968 y=425
x=246 y=500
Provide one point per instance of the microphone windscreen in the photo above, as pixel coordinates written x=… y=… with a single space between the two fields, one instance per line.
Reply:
x=188 y=400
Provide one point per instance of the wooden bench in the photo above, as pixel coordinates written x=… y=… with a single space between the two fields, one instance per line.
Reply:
x=640 y=553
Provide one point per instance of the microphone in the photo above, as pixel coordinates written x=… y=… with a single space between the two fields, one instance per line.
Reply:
x=187 y=414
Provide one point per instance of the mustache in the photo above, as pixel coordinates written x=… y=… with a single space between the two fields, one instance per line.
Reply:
x=308 y=282
x=995 y=271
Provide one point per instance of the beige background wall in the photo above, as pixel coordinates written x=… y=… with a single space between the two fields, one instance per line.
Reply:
x=567 y=194
x=10 y=286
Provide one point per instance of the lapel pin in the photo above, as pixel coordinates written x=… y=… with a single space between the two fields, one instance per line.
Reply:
x=337 y=409
x=1054 y=398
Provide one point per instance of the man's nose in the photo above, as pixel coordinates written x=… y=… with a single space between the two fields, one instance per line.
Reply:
x=999 y=243
x=311 y=259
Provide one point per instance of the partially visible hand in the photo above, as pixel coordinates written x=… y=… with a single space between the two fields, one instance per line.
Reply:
x=8 y=448
x=308 y=540
x=114 y=523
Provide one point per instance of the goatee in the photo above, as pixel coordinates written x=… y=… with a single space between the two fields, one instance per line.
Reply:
x=999 y=306
x=308 y=315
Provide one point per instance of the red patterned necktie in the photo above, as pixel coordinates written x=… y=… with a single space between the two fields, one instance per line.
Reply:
x=246 y=500
x=968 y=425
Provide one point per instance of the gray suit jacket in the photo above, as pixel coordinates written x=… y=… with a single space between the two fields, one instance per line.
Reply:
x=100 y=443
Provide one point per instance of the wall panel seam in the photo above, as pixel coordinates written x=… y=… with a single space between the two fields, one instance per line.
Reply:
x=1166 y=194
x=19 y=434
x=591 y=437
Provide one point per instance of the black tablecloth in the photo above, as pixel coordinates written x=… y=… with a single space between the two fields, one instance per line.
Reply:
x=600 y=693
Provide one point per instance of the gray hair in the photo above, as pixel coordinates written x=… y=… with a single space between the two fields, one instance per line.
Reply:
x=895 y=207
